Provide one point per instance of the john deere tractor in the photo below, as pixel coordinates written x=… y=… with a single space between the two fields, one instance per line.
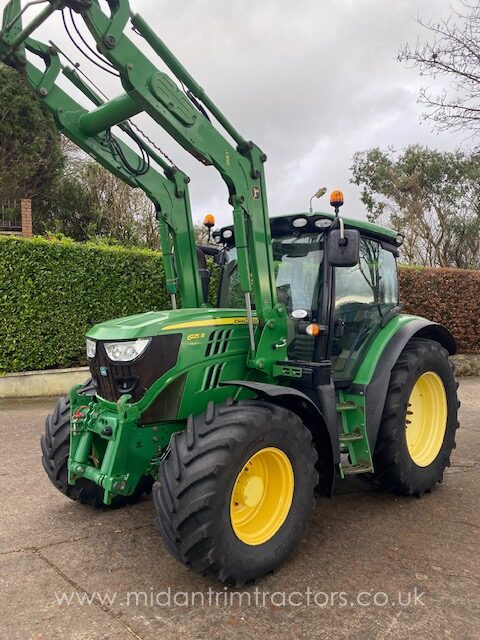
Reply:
x=304 y=371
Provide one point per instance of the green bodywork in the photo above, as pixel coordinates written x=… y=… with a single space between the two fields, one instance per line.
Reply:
x=109 y=443
x=133 y=450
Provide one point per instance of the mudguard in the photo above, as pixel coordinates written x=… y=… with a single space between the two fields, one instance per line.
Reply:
x=375 y=390
x=325 y=439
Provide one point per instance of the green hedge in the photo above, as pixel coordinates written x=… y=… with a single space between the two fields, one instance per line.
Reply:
x=52 y=291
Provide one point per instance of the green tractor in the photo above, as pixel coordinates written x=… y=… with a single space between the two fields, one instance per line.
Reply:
x=304 y=372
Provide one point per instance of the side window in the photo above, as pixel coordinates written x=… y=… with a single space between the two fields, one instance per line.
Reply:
x=364 y=294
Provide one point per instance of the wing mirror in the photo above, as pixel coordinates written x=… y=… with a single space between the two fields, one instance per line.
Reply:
x=343 y=247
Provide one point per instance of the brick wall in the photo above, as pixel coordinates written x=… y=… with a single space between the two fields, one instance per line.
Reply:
x=26 y=211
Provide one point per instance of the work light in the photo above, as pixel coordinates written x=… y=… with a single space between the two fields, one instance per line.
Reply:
x=300 y=222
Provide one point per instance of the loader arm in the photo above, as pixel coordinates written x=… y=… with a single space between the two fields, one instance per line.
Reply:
x=183 y=115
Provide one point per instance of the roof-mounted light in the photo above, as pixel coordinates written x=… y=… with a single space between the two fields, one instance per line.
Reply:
x=323 y=223
x=298 y=223
x=209 y=220
x=399 y=239
x=227 y=234
x=336 y=198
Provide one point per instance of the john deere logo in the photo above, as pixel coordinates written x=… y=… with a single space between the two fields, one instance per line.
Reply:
x=256 y=192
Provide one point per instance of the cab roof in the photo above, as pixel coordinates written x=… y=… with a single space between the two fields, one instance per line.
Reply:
x=285 y=224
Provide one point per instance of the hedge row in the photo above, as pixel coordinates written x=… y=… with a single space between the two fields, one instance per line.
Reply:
x=448 y=296
x=52 y=291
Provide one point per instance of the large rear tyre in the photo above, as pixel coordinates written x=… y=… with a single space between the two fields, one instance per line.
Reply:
x=235 y=492
x=417 y=432
x=55 y=444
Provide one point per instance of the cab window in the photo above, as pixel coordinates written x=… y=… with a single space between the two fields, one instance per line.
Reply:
x=298 y=262
x=364 y=294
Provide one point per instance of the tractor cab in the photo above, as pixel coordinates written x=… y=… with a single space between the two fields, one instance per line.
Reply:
x=335 y=302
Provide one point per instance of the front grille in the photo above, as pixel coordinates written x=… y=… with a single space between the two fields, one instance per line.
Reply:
x=137 y=376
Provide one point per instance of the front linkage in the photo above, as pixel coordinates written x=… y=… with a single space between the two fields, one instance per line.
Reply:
x=113 y=436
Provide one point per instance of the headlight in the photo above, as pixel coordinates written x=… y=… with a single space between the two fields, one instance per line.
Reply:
x=91 y=348
x=126 y=351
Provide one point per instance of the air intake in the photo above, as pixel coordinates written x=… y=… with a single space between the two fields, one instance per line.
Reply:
x=218 y=342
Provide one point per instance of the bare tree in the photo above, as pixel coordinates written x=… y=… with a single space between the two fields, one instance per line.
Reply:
x=452 y=52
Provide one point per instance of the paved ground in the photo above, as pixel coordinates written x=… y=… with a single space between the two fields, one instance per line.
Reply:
x=360 y=541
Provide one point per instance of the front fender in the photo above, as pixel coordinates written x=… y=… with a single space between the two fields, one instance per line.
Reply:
x=373 y=376
x=325 y=439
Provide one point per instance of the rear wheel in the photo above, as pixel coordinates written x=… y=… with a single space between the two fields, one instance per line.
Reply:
x=417 y=432
x=234 y=494
x=55 y=444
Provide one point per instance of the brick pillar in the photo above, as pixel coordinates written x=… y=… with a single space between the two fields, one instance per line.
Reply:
x=26 y=209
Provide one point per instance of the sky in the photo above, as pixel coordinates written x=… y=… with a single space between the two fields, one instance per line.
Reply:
x=310 y=82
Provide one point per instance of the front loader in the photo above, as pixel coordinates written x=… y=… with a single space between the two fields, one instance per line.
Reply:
x=304 y=372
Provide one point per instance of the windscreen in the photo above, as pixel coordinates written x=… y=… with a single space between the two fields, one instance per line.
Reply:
x=298 y=264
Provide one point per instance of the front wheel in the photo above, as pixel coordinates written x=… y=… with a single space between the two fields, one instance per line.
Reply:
x=236 y=490
x=417 y=432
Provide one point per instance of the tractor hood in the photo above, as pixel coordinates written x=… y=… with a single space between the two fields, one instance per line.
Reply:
x=155 y=323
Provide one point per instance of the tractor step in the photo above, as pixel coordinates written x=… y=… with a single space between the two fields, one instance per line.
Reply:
x=346 y=406
x=350 y=437
x=353 y=439
x=352 y=469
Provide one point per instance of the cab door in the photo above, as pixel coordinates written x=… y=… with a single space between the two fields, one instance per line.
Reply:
x=364 y=294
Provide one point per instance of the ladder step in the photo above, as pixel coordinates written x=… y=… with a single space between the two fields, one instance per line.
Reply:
x=356 y=468
x=346 y=406
x=351 y=437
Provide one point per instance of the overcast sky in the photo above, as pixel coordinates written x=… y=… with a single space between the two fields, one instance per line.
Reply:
x=310 y=81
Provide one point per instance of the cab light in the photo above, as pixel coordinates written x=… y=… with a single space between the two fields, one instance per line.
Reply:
x=312 y=329
x=91 y=348
x=299 y=222
x=323 y=223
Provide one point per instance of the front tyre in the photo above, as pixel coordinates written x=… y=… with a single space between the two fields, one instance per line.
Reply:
x=235 y=492
x=417 y=432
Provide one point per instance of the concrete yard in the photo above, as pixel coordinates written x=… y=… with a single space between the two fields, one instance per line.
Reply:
x=362 y=546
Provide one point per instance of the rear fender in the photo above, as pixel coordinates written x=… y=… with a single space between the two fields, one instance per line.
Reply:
x=375 y=388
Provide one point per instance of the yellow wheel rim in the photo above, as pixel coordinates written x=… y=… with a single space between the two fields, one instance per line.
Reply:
x=426 y=419
x=262 y=496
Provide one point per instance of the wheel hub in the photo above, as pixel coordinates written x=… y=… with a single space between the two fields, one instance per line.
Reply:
x=262 y=496
x=426 y=419
x=251 y=490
